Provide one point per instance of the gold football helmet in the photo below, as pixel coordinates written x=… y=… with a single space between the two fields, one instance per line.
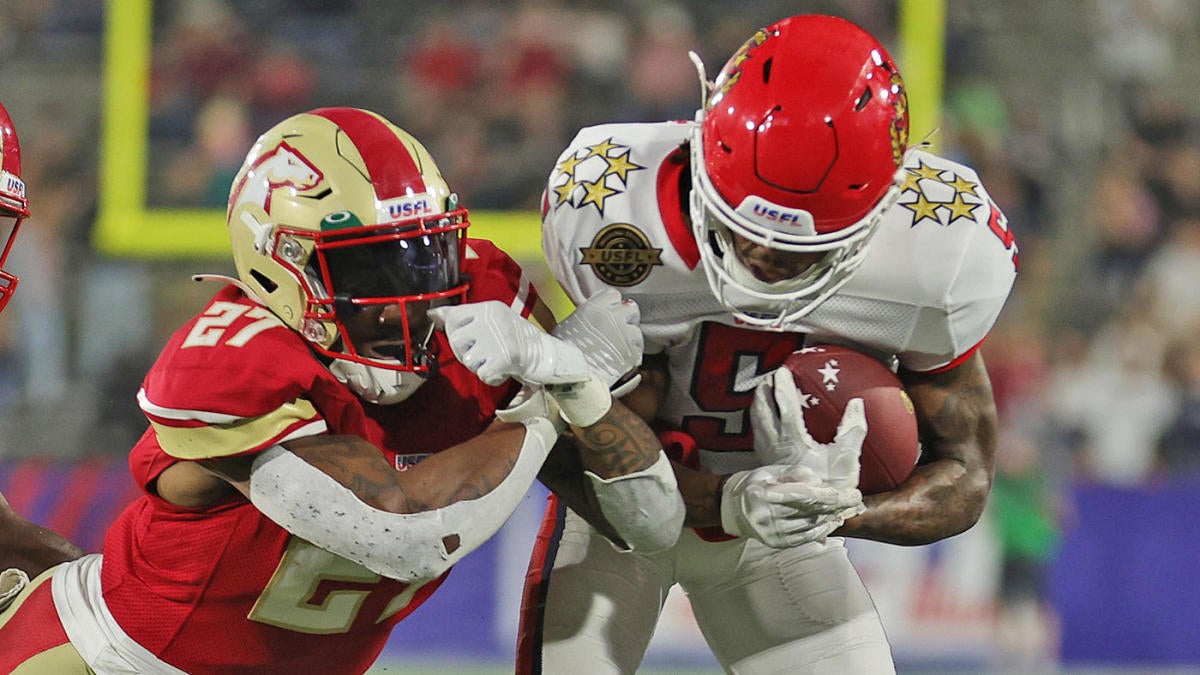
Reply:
x=342 y=224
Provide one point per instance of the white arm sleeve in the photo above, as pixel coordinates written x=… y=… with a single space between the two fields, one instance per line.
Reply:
x=404 y=546
x=644 y=507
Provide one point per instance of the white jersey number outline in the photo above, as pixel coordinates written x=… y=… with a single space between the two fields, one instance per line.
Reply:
x=729 y=362
x=211 y=326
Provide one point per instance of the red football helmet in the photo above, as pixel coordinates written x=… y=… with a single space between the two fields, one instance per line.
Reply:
x=799 y=147
x=13 y=207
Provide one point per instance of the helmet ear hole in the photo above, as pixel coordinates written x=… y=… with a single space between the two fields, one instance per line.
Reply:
x=268 y=285
x=863 y=100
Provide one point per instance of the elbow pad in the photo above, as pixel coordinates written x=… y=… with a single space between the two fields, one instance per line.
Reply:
x=644 y=507
x=404 y=546
x=12 y=582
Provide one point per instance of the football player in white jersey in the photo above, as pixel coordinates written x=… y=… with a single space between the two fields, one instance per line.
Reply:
x=25 y=547
x=792 y=211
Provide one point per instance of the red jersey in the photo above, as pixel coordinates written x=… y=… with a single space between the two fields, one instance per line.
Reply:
x=225 y=589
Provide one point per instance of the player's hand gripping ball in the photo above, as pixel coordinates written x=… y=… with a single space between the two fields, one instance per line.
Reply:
x=827 y=376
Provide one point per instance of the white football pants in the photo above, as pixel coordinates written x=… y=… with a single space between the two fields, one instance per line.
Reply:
x=761 y=610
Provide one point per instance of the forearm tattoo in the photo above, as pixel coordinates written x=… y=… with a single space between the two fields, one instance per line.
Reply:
x=946 y=493
x=467 y=472
x=364 y=470
x=473 y=485
x=618 y=444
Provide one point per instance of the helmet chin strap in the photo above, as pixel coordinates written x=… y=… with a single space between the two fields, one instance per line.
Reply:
x=381 y=386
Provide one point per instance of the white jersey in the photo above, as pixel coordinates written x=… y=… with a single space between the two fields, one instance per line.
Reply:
x=936 y=276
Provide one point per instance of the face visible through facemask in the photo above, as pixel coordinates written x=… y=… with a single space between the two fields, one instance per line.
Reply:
x=392 y=331
x=770 y=265
x=379 y=332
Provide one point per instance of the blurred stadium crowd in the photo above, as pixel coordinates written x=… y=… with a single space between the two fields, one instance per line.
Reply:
x=1080 y=117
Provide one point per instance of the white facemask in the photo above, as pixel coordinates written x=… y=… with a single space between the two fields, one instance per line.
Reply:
x=376 y=385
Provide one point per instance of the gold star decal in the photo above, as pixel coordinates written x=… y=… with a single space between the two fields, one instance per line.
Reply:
x=911 y=181
x=595 y=193
x=589 y=168
x=563 y=192
x=923 y=171
x=601 y=149
x=620 y=166
x=961 y=209
x=922 y=208
x=963 y=186
x=568 y=165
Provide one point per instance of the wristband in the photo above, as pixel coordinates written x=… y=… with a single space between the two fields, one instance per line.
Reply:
x=582 y=404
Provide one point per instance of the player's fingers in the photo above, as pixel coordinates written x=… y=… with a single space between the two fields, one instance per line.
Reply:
x=852 y=429
x=799 y=473
x=809 y=499
x=490 y=375
x=850 y=512
x=820 y=532
x=633 y=313
x=450 y=316
x=813 y=499
x=851 y=499
x=787 y=398
x=801 y=531
x=762 y=414
x=438 y=316
x=606 y=296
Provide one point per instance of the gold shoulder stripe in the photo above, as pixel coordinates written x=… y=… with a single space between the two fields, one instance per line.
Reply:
x=225 y=440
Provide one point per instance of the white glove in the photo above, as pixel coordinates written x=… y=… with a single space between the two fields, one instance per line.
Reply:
x=497 y=343
x=784 y=506
x=12 y=580
x=781 y=437
x=605 y=327
x=533 y=402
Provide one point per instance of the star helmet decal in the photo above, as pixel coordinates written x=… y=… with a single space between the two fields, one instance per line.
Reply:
x=591 y=175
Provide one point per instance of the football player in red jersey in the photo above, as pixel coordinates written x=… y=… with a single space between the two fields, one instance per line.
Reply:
x=25 y=547
x=792 y=211
x=317 y=458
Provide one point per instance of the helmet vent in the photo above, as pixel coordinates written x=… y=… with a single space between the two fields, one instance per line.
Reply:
x=863 y=100
x=268 y=285
x=320 y=195
x=767 y=71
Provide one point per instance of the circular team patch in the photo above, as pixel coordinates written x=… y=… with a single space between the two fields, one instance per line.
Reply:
x=621 y=255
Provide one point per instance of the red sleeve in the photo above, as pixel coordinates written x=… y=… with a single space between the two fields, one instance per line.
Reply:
x=496 y=276
x=235 y=358
x=147 y=460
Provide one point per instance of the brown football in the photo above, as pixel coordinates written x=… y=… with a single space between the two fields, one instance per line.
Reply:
x=827 y=376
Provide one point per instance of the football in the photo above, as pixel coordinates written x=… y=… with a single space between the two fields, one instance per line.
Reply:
x=827 y=376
